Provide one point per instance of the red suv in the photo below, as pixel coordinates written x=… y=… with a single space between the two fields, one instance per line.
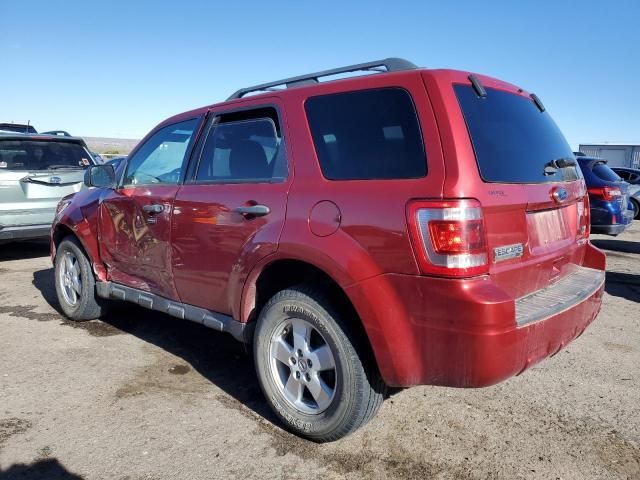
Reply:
x=400 y=228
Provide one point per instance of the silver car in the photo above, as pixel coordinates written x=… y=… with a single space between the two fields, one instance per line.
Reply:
x=36 y=171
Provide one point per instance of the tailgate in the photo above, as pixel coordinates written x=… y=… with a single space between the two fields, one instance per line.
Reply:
x=528 y=183
x=30 y=198
x=536 y=241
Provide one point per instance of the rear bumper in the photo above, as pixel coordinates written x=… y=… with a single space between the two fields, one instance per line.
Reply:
x=610 y=219
x=609 y=229
x=24 y=232
x=470 y=333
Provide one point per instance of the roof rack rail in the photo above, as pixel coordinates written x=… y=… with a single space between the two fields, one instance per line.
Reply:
x=391 y=64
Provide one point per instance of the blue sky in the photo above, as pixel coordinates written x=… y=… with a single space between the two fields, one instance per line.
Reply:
x=117 y=68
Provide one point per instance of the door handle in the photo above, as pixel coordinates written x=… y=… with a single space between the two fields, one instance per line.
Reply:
x=253 y=210
x=153 y=209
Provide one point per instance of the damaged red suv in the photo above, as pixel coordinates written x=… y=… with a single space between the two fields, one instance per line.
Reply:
x=404 y=227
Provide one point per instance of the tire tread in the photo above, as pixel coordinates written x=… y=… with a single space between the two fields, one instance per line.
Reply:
x=371 y=395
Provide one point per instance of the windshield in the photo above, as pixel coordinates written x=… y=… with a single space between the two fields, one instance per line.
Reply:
x=33 y=155
x=513 y=140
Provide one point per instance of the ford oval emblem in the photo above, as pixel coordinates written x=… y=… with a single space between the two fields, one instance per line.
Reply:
x=55 y=180
x=559 y=194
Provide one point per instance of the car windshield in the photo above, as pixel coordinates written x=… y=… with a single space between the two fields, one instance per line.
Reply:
x=33 y=155
x=513 y=140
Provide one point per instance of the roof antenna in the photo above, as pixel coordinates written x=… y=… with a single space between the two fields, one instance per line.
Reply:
x=26 y=130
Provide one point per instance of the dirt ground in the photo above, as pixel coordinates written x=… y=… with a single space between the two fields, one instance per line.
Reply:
x=145 y=396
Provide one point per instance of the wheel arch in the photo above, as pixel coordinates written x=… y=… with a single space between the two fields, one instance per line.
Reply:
x=280 y=273
x=636 y=202
x=88 y=243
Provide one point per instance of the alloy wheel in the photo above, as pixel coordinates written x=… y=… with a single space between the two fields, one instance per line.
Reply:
x=70 y=279
x=303 y=366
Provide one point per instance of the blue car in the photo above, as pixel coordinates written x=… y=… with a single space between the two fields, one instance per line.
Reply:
x=608 y=197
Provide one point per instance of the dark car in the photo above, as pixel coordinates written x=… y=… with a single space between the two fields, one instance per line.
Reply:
x=629 y=175
x=632 y=177
x=399 y=228
x=115 y=161
x=608 y=197
x=17 y=128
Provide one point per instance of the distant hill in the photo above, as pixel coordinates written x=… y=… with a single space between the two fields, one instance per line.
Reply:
x=121 y=146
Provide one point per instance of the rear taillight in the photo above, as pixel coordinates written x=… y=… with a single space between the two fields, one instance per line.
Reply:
x=449 y=237
x=605 y=193
x=583 y=218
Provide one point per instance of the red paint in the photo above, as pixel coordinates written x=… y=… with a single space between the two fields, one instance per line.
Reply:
x=423 y=329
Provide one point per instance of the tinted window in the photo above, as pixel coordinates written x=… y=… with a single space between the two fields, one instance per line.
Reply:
x=605 y=173
x=623 y=174
x=17 y=128
x=37 y=155
x=512 y=139
x=161 y=158
x=240 y=148
x=370 y=134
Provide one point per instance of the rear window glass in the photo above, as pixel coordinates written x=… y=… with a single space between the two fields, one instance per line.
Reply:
x=512 y=139
x=31 y=155
x=369 y=134
x=605 y=173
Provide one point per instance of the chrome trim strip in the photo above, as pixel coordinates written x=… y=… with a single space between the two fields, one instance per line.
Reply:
x=217 y=321
x=562 y=295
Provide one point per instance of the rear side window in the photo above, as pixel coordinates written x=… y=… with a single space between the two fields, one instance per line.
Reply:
x=512 y=139
x=366 y=135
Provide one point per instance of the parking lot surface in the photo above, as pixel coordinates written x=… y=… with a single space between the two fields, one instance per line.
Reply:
x=144 y=396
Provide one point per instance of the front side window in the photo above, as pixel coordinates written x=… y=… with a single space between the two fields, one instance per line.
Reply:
x=367 y=134
x=161 y=159
x=243 y=147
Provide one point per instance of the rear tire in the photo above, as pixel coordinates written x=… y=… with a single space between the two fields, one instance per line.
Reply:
x=318 y=379
x=75 y=283
x=636 y=209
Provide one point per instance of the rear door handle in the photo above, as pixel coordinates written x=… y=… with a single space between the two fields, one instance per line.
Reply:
x=253 y=210
x=153 y=209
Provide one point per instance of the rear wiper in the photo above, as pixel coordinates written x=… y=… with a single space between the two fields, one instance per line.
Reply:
x=61 y=167
x=552 y=167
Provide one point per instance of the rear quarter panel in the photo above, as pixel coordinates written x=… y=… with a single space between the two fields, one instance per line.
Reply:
x=372 y=235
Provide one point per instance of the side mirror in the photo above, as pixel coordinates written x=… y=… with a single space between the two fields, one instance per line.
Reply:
x=101 y=176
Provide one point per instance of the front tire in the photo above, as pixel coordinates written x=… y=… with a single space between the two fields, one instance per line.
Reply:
x=317 y=378
x=75 y=283
x=636 y=209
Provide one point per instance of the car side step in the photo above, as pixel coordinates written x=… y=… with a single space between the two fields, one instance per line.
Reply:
x=217 y=321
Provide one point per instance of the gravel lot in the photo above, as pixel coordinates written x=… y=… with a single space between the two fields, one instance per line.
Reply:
x=144 y=396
